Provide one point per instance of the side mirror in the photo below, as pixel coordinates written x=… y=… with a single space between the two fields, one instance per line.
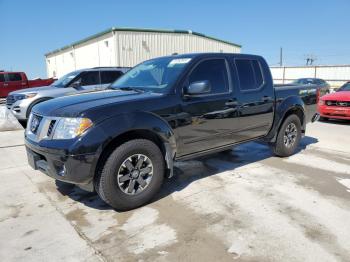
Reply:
x=76 y=84
x=198 y=88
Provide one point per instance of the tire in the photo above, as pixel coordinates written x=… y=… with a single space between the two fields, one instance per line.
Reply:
x=116 y=193
x=286 y=146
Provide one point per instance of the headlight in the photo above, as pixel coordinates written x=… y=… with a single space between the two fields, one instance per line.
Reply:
x=321 y=102
x=68 y=128
x=29 y=95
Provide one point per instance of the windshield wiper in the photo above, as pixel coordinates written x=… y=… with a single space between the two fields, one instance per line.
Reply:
x=130 y=88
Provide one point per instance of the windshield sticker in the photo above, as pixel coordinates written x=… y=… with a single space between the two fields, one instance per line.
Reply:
x=179 y=61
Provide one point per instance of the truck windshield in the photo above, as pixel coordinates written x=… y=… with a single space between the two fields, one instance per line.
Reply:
x=156 y=75
x=345 y=87
x=66 y=79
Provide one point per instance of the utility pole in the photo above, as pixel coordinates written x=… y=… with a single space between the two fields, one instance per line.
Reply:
x=281 y=57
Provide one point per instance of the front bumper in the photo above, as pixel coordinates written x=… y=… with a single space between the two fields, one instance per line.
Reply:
x=19 y=108
x=334 y=112
x=75 y=169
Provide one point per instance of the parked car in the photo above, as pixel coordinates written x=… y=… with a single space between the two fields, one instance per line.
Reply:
x=86 y=80
x=122 y=142
x=336 y=105
x=11 y=81
x=323 y=86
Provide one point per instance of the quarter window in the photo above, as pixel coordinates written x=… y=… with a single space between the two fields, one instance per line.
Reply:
x=14 y=77
x=249 y=73
x=214 y=71
x=2 y=78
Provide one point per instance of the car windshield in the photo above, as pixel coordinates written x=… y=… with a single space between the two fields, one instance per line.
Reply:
x=156 y=75
x=66 y=79
x=302 y=81
x=345 y=87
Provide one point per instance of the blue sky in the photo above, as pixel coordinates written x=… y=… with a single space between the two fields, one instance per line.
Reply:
x=32 y=28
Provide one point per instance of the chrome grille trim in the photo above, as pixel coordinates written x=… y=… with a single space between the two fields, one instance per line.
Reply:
x=337 y=103
x=46 y=124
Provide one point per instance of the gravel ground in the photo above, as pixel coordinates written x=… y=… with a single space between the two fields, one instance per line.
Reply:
x=243 y=205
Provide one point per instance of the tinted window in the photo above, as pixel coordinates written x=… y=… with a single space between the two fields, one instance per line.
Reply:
x=90 y=78
x=258 y=74
x=249 y=73
x=2 y=78
x=109 y=76
x=345 y=87
x=214 y=71
x=14 y=77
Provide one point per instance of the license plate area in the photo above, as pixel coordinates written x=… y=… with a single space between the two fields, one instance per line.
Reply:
x=33 y=158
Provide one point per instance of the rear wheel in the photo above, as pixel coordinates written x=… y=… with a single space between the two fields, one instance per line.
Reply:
x=288 y=137
x=132 y=175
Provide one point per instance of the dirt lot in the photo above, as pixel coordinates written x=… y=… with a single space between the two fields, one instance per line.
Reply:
x=243 y=205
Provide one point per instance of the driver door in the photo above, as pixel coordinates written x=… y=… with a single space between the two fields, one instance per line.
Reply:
x=208 y=120
x=88 y=81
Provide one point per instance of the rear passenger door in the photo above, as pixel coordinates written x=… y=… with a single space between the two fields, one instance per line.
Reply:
x=255 y=95
x=108 y=77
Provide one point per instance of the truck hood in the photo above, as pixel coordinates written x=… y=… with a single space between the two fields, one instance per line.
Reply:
x=80 y=104
x=338 y=96
x=31 y=90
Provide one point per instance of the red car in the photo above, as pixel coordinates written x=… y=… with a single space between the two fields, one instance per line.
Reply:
x=12 y=81
x=336 y=105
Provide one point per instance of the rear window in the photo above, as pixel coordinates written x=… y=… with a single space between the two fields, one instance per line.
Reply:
x=14 y=77
x=2 y=78
x=249 y=73
x=108 y=77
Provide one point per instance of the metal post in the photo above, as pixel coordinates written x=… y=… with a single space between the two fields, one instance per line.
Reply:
x=281 y=56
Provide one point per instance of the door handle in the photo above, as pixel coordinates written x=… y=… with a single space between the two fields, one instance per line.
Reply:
x=267 y=98
x=231 y=103
x=6 y=84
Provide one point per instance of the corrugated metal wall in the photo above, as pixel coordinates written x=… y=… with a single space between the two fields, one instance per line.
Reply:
x=334 y=75
x=124 y=48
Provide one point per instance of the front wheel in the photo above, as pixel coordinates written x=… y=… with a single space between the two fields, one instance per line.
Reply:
x=288 y=137
x=132 y=175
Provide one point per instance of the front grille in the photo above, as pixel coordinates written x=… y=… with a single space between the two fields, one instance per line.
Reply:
x=338 y=103
x=51 y=126
x=10 y=100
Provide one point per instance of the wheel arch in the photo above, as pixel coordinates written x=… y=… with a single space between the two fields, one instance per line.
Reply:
x=34 y=103
x=143 y=126
x=290 y=106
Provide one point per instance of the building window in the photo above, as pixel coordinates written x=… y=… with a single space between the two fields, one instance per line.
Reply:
x=106 y=43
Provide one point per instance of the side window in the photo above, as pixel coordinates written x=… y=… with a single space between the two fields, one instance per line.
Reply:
x=249 y=73
x=2 y=78
x=214 y=71
x=90 y=78
x=108 y=77
x=14 y=77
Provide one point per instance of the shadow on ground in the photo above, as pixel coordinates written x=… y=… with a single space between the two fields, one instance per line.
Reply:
x=336 y=122
x=189 y=171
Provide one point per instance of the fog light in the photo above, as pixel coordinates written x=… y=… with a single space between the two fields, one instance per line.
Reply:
x=62 y=171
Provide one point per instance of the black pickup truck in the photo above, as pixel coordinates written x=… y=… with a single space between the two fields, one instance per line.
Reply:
x=122 y=142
